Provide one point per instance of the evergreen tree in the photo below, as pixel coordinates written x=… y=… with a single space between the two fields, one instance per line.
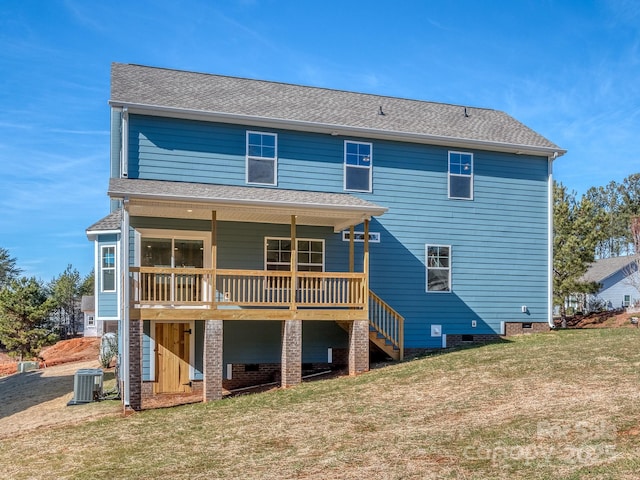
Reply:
x=88 y=284
x=574 y=241
x=65 y=290
x=25 y=310
x=8 y=269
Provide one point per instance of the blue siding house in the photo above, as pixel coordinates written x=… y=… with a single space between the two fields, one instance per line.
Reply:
x=260 y=230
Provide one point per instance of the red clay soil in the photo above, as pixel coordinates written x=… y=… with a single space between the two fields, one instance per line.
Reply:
x=65 y=351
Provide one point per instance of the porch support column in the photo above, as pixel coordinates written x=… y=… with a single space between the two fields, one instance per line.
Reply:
x=212 y=360
x=135 y=364
x=214 y=258
x=351 y=249
x=359 y=329
x=294 y=264
x=291 y=353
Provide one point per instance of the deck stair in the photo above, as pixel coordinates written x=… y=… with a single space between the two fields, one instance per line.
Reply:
x=386 y=327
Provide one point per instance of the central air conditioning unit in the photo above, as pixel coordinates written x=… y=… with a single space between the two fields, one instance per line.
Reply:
x=87 y=386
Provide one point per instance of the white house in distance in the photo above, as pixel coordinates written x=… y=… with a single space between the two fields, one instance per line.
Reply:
x=617 y=277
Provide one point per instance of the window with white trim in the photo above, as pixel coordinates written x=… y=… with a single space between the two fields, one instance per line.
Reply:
x=262 y=158
x=91 y=321
x=310 y=254
x=438 y=262
x=461 y=175
x=357 y=166
x=108 y=268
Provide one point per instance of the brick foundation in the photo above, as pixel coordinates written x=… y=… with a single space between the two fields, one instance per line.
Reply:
x=519 y=328
x=247 y=375
x=455 y=340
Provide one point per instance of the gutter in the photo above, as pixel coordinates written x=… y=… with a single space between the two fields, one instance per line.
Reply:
x=331 y=129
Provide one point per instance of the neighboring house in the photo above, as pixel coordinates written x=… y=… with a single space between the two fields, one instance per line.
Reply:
x=619 y=280
x=95 y=326
x=414 y=226
x=87 y=306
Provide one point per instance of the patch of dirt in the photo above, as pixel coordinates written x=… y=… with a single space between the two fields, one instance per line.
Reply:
x=65 y=351
x=613 y=319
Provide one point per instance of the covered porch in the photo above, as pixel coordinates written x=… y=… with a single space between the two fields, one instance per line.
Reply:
x=209 y=293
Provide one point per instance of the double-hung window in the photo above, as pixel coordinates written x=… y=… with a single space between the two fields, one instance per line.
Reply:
x=438 y=268
x=461 y=175
x=357 y=166
x=310 y=254
x=108 y=268
x=262 y=158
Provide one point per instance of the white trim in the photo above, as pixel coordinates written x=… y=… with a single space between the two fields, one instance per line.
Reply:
x=124 y=309
x=345 y=166
x=331 y=129
x=426 y=267
x=550 y=243
x=266 y=239
x=374 y=237
x=253 y=157
x=103 y=268
x=470 y=176
x=124 y=148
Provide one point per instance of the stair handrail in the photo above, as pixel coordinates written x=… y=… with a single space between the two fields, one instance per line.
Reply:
x=387 y=322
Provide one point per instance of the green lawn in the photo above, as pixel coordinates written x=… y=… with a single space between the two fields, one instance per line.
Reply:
x=563 y=405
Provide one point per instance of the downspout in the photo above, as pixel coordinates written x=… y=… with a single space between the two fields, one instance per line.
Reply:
x=124 y=247
x=550 y=240
x=124 y=148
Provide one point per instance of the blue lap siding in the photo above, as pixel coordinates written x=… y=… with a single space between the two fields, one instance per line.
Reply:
x=498 y=240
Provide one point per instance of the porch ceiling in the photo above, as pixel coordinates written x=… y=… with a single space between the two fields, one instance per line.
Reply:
x=153 y=198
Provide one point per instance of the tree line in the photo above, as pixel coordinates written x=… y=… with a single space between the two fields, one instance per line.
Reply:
x=33 y=313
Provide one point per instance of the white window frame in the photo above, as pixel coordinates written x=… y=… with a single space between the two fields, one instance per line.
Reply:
x=113 y=269
x=427 y=267
x=266 y=240
x=370 y=167
x=470 y=176
x=256 y=157
x=91 y=320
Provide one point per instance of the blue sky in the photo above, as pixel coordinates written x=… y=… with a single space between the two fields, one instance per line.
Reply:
x=568 y=69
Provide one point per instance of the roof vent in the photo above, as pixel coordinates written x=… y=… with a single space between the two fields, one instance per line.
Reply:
x=380 y=112
x=465 y=112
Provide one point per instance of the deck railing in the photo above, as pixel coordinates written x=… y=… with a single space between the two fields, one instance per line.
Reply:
x=154 y=286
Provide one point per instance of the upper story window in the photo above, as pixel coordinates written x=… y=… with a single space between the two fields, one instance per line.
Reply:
x=262 y=158
x=310 y=254
x=357 y=166
x=108 y=268
x=438 y=268
x=461 y=175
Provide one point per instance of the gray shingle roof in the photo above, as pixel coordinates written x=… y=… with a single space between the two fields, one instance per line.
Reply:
x=202 y=192
x=198 y=92
x=87 y=303
x=605 y=267
x=109 y=223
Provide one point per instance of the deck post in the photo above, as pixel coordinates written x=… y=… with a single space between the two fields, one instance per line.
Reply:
x=358 y=347
x=135 y=366
x=291 y=353
x=213 y=336
x=365 y=266
x=294 y=264
x=214 y=258
x=351 y=249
